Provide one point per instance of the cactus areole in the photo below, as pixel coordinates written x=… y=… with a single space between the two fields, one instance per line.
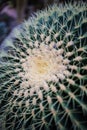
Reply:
x=43 y=72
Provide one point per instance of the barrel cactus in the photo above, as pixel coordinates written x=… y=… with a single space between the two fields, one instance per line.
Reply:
x=43 y=72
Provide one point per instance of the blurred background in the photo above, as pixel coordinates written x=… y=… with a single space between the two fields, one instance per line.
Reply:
x=13 y=12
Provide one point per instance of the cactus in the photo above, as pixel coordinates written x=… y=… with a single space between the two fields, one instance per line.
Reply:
x=43 y=71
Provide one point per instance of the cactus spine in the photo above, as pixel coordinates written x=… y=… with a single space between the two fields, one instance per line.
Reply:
x=43 y=72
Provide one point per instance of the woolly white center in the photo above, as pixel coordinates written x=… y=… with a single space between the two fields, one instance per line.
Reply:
x=41 y=66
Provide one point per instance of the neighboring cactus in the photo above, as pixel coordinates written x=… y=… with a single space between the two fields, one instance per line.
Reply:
x=3 y=30
x=43 y=72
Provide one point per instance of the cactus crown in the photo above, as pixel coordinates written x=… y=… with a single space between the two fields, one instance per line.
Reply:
x=43 y=72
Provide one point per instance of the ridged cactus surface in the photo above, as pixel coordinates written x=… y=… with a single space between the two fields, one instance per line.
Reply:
x=43 y=72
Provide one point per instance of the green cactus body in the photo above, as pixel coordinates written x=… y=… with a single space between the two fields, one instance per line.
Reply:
x=43 y=72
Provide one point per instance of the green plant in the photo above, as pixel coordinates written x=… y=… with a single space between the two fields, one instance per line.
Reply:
x=43 y=72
